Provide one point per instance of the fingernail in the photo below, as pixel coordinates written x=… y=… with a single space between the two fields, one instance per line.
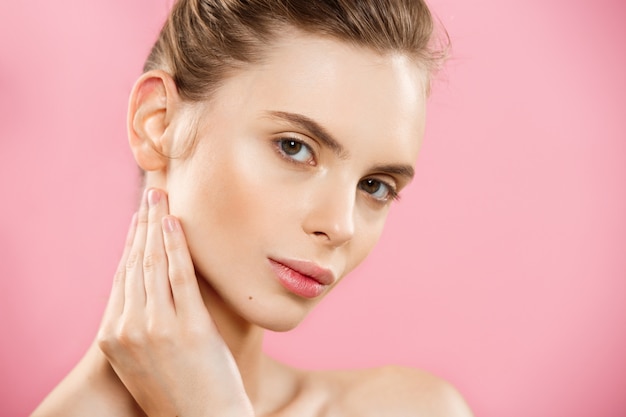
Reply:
x=153 y=197
x=170 y=224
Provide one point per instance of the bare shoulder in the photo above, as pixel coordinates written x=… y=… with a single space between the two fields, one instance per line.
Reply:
x=396 y=391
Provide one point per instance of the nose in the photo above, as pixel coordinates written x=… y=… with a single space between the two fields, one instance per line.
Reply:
x=330 y=215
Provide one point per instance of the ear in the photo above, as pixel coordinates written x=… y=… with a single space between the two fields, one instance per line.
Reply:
x=153 y=101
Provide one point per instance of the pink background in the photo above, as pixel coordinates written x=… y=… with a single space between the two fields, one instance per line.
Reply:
x=503 y=269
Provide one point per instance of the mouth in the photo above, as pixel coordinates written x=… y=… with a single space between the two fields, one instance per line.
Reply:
x=302 y=278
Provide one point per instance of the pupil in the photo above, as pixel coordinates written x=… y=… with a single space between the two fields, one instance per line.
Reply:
x=371 y=186
x=291 y=147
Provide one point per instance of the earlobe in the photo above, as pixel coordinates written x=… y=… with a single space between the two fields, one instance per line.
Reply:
x=152 y=102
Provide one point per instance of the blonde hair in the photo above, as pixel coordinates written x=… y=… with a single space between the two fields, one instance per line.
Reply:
x=202 y=40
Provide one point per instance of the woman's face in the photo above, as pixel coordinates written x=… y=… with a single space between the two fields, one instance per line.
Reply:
x=296 y=163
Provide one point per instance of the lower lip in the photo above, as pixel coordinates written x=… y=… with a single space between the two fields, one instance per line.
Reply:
x=297 y=283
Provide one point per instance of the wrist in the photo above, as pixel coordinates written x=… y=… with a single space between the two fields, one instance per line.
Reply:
x=101 y=377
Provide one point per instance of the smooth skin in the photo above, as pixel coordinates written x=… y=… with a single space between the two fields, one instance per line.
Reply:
x=295 y=158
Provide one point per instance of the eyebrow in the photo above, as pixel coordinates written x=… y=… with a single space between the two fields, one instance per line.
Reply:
x=402 y=170
x=327 y=139
x=314 y=128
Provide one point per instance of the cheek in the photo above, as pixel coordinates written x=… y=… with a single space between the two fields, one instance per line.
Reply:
x=368 y=230
x=230 y=203
x=224 y=203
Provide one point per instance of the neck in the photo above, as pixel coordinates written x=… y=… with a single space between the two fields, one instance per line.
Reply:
x=245 y=340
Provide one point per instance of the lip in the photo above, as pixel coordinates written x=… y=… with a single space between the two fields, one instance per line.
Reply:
x=302 y=278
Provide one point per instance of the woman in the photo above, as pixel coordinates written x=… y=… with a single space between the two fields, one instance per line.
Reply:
x=274 y=135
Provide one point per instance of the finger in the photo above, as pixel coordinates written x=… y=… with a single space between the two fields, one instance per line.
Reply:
x=158 y=292
x=135 y=293
x=115 y=305
x=182 y=276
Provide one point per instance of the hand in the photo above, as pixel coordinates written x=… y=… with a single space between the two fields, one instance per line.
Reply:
x=158 y=334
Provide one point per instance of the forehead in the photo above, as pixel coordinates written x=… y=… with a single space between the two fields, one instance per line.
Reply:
x=354 y=92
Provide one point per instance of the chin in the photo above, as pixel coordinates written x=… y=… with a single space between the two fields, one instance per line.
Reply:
x=282 y=326
x=278 y=319
x=270 y=309
x=277 y=313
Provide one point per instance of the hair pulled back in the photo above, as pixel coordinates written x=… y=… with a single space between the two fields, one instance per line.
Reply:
x=204 y=39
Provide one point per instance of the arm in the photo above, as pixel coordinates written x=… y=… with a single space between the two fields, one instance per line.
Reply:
x=91 y=389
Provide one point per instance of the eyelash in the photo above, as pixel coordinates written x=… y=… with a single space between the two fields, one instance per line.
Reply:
x=289 y=158
x=392 y=193
x=278 y=143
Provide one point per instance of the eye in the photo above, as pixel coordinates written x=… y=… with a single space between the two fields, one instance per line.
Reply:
x=379 y=190
x=295 y=150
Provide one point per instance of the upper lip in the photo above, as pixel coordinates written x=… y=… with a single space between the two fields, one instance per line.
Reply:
x=310 y=269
